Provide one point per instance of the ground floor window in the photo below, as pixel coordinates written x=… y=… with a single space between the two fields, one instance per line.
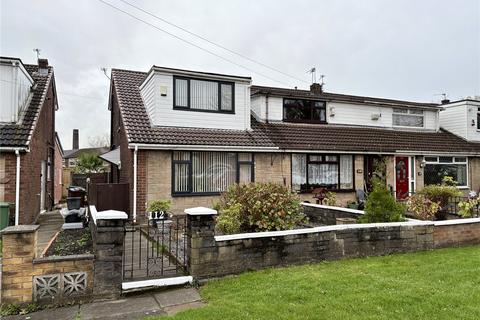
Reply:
x=209 y=172
x=311 y=171
x=436 y=168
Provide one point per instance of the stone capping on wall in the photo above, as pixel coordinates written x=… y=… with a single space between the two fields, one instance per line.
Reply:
x=354 y=211
x=200 y=211
x=338 y=227
x=107 y=214
x=73 y=257
x=456 y=221
x=22 y=228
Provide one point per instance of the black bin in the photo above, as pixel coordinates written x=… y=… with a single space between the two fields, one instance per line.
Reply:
x=77 y=192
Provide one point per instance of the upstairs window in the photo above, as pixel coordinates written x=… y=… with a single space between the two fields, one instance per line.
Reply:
x=478 y=119
x=203 y=95
x=300 y=110
x=403 y=117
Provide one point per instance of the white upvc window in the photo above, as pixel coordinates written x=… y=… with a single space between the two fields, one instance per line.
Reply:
x=438 y=167
x=403 y=117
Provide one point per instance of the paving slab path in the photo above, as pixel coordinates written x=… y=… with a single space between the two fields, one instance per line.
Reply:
x=50 y=223
x=161 y=303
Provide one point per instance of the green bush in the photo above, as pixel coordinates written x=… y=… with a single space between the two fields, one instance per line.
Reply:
x=258 y=207
x=381 y=206
x=159 y=205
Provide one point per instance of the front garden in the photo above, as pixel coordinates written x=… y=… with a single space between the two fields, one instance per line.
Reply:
x=440 y=284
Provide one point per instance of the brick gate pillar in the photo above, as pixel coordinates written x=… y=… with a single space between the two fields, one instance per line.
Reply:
x=19 y=247
x=200 y=240
x=108 y=233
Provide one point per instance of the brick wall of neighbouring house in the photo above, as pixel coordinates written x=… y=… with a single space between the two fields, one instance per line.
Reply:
x=118 y=138
x=41 y=146
x=474 y=168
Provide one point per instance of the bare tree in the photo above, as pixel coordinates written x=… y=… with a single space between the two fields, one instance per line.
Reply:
x=102 y=140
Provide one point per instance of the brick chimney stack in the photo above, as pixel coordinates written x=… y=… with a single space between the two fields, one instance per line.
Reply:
x=43 y=66
x=316 y=88
x=75 y=139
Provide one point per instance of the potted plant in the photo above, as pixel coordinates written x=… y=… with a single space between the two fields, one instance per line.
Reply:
x=158 y=210
x=352 y=205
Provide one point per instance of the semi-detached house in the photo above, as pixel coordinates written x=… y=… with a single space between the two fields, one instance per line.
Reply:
x=28 y=101
x=187 y=135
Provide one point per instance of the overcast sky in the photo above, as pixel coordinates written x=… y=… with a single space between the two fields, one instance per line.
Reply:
x=395 y=49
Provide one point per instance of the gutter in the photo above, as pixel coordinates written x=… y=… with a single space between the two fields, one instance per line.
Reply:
x=200 y=147
x=135 y=158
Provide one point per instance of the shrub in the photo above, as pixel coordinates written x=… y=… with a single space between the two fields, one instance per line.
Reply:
x=258 y=207
x=441 y=194
x=381 y=206
x=422 y=207
x=330 y=199
x=89 y=163
x=467 y=208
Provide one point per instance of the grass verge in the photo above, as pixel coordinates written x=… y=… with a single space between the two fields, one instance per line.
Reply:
x=440 y=284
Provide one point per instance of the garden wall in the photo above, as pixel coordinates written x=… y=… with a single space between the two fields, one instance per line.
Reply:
x=26 y=278
x=459 y=232
x=213 y=255
x=61 y=279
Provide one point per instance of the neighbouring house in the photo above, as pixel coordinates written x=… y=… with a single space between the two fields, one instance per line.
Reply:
x=187 y=135
x=58 y=175
x=27 y=137
x=70 y=158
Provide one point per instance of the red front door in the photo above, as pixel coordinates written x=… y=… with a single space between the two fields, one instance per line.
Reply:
x=401 y=177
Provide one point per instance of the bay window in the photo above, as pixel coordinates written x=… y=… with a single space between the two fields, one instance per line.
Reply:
x=403 y=117
x=334 y=172
x=436 y=168
x=203 y=95
x=209 y=172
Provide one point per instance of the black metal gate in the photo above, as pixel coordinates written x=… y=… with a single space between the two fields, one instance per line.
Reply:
x=156 y=249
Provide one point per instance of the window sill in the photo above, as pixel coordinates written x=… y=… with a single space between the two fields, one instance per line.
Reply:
x=328 y=190
x=196 y=194
x=305 y=121
x=207 y=111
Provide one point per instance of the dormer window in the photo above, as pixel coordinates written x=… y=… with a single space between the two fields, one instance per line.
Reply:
x=203 y=95
x=301 y=110
x=403 y=117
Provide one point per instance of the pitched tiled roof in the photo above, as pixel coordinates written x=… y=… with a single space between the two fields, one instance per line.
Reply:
x=281 y=135
x=139 y=130
x=328 y=96
x=75 y=153
x=19 y=134
x=330 y=137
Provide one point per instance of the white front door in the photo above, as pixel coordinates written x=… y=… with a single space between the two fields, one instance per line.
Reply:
x=43 y=181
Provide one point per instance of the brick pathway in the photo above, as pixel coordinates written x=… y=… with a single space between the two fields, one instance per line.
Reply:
x=162 y=303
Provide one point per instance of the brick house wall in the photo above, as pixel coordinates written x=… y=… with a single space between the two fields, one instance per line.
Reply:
x=41 y=148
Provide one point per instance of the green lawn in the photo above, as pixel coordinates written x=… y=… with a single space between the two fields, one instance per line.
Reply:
x=441 y=284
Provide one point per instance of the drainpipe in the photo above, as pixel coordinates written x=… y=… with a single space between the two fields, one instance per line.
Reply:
x=17 y=188
x=135 y=184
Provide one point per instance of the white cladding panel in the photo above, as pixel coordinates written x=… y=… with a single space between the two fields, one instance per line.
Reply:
x=341 y=113
x=161 y=112
x=473 y=133
x=15 y=86
x=454 y=119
